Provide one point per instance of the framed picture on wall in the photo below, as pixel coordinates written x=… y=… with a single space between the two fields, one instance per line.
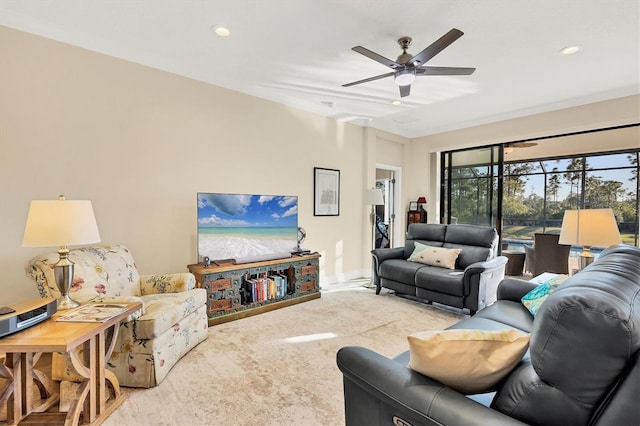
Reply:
x=413 y=205
x=326 y=192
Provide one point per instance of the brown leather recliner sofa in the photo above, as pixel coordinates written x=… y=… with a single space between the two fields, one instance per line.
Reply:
x=582 y=366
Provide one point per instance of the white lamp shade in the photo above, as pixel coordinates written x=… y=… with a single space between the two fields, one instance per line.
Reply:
x=60 y=223
x=589 y=227
x=373 y=197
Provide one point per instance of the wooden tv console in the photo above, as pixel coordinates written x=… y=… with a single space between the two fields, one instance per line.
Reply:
x=229 y=286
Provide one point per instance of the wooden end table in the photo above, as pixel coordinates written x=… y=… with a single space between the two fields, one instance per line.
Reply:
x=91 y=404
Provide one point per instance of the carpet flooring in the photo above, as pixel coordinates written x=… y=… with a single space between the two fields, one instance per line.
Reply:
x=279 y=368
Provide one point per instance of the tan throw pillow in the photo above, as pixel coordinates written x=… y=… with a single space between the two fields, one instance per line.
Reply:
x=435 y=256
x=469 y=361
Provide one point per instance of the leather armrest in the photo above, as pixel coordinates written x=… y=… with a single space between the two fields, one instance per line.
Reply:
x=514 y=289
x=402 y=393
x=489 y=265
x=480 y=281
x=379 y=256
x=383 y=254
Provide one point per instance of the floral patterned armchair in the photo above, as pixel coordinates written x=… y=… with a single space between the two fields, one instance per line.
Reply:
x=172 y=321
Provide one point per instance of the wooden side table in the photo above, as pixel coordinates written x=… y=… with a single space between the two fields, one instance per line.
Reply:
x=416 y=216
x=92 y=403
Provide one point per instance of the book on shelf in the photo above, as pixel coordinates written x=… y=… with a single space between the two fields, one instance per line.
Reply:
x=93 y=312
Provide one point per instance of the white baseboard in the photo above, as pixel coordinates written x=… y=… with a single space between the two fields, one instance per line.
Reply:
x=347 y=276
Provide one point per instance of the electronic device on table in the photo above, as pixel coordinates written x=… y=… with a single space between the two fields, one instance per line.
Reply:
x=23 y=315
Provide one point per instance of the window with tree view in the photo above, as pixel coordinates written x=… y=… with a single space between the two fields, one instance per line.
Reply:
x=537 y=192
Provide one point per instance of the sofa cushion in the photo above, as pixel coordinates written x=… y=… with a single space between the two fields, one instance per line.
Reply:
x=100 y=271
x=533 y=300
x=469 y=361
x=595 y=314
x=440 y=280
x=582 y=345
x=471 y=235
x=504 y=312
x=478 y=243
x=163 y=311
x=469 y=254
x=399 y=270
x=431 y=235
x=435 y=256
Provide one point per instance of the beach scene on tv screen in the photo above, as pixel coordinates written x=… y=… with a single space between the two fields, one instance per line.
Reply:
x=232 y=226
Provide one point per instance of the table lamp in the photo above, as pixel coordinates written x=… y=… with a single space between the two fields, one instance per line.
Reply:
x=423 y=213
x=421 y=202
x=587 y=228
x=61 y=223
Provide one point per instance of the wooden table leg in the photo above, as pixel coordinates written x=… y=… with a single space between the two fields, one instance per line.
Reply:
x=8 y=394
x=91 y=399
x=7 y=391
x=20 y=404
x=101 y=368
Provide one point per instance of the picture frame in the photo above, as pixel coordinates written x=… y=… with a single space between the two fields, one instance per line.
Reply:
x=413 y=205
x=326 y=192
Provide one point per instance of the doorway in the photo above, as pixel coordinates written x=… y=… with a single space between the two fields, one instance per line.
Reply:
x=388 y=180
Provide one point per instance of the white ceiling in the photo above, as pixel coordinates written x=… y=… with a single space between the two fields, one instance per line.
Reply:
x=298 y=52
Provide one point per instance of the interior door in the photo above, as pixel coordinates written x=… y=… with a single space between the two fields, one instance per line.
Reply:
x=387 y=181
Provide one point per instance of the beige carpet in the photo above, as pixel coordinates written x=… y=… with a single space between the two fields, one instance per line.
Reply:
x=279 y=368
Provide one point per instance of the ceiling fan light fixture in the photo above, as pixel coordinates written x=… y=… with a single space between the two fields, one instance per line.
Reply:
x=404 y=77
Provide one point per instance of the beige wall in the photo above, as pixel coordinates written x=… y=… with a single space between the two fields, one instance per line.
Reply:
x=140 y=143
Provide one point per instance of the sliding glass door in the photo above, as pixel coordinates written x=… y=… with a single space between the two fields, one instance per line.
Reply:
x=471 y=191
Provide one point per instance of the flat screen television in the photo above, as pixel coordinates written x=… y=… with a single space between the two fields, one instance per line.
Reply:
x=244 y=226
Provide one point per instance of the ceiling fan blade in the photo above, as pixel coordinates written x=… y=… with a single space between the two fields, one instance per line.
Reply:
x=377 y=77
x=444 y=71
x=404 y=90
x=435 y=47
x=523 y=144
x=378 y=58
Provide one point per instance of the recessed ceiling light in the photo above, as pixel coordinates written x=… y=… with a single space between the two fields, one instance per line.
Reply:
x=396 y=103
x=570 y=50
x=221 y=30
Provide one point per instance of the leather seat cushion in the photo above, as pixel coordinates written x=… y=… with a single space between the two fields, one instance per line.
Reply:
x=399 y=270
x=440 y=280
x=507 y=312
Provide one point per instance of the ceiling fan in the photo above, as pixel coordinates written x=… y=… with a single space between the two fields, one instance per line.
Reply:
x=522 y=144
x=407 y=67
x=508 y=148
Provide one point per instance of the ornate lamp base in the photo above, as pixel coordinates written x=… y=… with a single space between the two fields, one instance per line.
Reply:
x=63 y=272
x=586 y=258
x=65 y=302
